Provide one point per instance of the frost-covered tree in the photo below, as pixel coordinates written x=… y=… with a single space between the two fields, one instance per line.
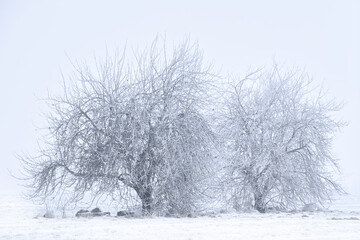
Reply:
x=279 y=131
x=131 y=129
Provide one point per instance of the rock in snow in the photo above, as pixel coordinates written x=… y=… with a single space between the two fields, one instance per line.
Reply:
x=311 y=207
x=82 y=213
x=95 y=212
x=125 y=213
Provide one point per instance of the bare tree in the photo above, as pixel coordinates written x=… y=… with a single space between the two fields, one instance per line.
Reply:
x=279 y=132
x=131 y=129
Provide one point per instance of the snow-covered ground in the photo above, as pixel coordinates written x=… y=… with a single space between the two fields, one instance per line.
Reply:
x=19 y=219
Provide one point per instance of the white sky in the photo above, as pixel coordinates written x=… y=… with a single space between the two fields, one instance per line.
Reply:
x=35 y=36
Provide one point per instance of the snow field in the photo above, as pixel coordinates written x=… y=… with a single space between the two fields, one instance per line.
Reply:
x=20 y=220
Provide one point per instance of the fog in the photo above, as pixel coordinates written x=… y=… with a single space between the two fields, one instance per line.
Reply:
x=38 y=38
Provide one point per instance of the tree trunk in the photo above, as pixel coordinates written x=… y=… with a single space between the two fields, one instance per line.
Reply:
x=145 y=195
x=146 y=201
x=259 y=203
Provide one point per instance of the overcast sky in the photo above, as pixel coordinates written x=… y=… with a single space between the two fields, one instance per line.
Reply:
x=37 y=36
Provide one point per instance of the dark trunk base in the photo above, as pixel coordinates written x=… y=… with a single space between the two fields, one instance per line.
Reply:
x=146 y=207
x=259 y=204
x=146 y=201
x=260 y=209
